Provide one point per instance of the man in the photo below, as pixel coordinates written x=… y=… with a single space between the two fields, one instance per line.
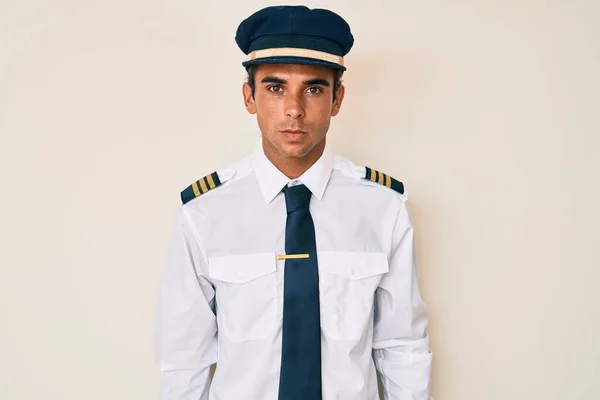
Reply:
x=293 y=269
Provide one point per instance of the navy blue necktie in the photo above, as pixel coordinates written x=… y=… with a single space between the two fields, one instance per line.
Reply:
x=301 y=348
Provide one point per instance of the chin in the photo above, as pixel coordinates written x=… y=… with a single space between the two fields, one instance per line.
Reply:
x=295 y=150
x=291 y=149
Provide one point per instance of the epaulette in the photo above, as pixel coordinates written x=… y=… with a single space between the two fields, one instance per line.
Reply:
x=200 y=187
x=383 y=179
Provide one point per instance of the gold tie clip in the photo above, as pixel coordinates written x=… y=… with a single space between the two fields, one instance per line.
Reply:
x=291 y=256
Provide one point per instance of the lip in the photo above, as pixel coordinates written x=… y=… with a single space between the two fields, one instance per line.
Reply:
x=296 y=131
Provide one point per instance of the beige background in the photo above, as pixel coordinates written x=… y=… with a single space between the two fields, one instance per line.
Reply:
x=487 y=110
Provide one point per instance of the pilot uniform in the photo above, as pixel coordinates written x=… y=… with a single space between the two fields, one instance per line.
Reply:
x=297 y=288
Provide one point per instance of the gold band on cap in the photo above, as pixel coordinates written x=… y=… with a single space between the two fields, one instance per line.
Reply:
x=295 y=52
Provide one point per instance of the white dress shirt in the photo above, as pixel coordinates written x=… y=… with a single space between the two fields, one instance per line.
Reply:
x=221 y=298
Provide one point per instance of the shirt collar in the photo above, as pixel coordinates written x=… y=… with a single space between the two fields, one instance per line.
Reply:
x=271 y=180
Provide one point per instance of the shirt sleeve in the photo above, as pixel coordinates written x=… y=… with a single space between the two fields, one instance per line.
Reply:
x=401 y=345
x=186 y=327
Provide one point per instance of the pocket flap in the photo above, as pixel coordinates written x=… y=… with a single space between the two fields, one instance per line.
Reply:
x=353 y=265
x=242 y=268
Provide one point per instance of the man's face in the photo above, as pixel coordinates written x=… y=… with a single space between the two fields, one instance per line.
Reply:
x=294 y=105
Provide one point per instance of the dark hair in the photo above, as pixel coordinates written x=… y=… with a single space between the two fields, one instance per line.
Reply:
x=251 y=69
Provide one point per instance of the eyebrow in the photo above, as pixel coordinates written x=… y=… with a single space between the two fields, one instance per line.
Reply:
x=272 y=79
x=315 y=81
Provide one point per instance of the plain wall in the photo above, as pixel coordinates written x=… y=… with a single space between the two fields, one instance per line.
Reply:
x=486 y=110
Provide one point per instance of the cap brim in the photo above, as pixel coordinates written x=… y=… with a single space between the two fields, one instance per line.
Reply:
x=294 y=60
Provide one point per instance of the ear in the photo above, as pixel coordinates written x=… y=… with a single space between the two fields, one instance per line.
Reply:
x=339 y=97
x=248 y=99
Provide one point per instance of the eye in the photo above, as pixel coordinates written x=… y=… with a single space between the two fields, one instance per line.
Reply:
x=314 y=90
x=275 y=88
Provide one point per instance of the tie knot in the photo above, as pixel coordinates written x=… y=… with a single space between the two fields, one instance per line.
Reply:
x=296 y=197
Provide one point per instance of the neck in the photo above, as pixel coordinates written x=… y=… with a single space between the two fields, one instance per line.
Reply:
x=293 y=167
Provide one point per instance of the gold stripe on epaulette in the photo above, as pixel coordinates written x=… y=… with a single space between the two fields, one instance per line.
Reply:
x=381 y=178
x=195 y=188
x=211 y=182
x=388 y=181
x=203 y=186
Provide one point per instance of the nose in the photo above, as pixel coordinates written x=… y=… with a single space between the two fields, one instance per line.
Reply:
x=294 y=107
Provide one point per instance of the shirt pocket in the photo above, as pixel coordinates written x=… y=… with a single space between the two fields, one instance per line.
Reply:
x=347 y=285
x=246 y=295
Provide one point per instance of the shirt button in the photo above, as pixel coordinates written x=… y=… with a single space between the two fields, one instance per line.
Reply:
x=295 y=183
x=353 y=272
